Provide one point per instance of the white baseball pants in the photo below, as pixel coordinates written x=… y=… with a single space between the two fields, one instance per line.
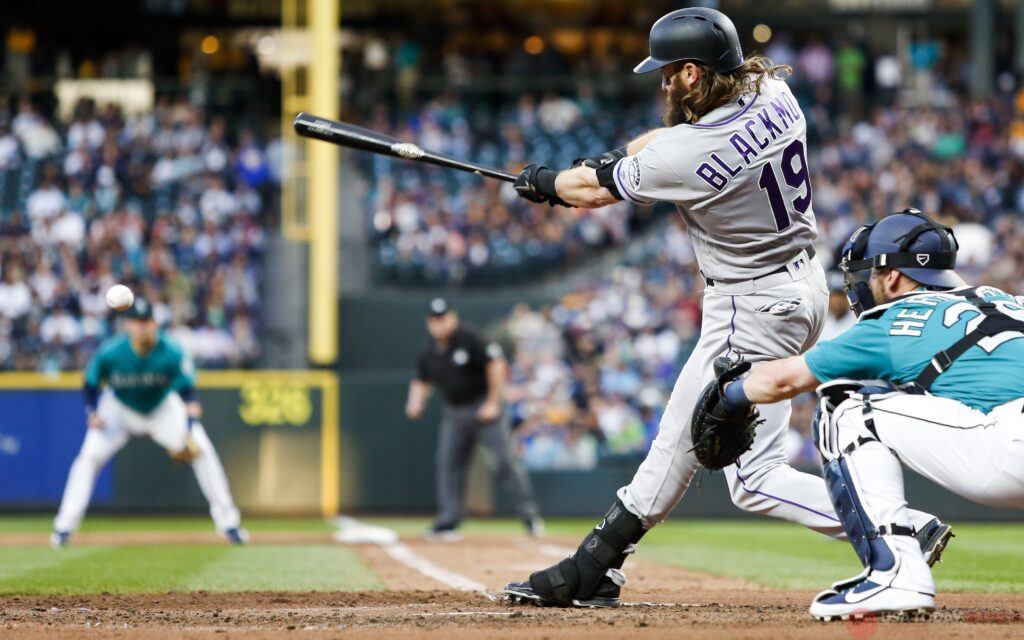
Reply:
x=167 y=425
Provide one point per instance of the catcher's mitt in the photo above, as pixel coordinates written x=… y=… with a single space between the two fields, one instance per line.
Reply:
x=720 y=437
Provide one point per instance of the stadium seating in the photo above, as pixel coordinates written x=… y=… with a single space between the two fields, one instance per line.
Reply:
x=163 y=203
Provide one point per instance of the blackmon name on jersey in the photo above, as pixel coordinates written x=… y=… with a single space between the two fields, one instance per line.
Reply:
x=754 y=136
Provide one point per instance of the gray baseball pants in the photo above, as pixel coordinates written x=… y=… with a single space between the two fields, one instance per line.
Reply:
x=460 y=431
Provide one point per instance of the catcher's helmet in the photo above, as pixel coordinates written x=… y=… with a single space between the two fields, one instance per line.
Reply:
x=909 y=242
x=697 y=34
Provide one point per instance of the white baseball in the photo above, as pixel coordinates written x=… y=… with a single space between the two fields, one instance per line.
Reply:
x=120 y=297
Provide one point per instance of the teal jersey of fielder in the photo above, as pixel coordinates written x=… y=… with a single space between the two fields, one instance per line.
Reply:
x=141 y=382
x=896 y=341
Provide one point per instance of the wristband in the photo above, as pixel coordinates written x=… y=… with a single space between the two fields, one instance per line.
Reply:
x=92 y=396
x=734 y=398
x=545 y=181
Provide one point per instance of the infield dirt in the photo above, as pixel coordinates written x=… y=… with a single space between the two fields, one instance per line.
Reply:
x=662 y=602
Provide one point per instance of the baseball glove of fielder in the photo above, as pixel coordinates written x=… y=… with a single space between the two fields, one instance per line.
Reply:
x=718 y=436
x=186 y=455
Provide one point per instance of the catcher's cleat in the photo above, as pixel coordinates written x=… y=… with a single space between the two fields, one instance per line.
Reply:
x=933 y=538
x=867 y=599
x=59 y=539
x=605 y=597
x=237 y=535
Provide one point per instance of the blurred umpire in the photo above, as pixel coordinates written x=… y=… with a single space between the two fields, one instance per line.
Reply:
x=471 y=377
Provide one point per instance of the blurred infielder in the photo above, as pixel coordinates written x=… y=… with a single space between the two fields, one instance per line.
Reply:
x=150 y=391
x=956 y=351
x=733 y=159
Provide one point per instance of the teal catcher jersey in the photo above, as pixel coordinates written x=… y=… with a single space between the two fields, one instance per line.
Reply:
x=141 y=382
x=896 y=341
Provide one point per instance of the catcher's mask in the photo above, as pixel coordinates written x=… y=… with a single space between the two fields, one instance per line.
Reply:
x=909 y=242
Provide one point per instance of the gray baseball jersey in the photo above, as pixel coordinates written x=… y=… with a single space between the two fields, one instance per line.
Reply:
x=739 y=177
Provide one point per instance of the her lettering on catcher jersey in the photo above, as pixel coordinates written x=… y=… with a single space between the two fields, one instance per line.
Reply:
x=141 y=382
x=896 y=341
x=739 y=178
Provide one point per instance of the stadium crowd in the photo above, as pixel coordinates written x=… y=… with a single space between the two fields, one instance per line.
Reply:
x=884 y=130
x=436 y=226
x=167 y=203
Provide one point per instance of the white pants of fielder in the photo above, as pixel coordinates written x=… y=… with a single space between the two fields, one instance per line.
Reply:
x=773 y=317
x=167 y=425
x=977 y=455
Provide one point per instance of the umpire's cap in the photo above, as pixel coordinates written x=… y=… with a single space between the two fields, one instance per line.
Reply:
x=438 y=307
x=696 y=34
x=140 y=310
x=909 y=242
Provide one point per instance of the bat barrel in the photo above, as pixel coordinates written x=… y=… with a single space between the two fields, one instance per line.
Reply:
x=348 y=135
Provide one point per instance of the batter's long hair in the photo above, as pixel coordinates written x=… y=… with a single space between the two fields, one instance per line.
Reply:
x=716 y=89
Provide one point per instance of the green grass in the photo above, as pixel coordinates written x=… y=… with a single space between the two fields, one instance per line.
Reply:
x=158 y=569
x=983 y=558
x=136 y=524
x=162 y=568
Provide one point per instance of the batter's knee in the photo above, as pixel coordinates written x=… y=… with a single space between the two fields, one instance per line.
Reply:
x=743 y=488
x=743 y=496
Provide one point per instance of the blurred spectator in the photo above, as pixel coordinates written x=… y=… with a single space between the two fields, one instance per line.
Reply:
x=436 y=226
x=161 y=203
x=840 y=317
x=592 y=373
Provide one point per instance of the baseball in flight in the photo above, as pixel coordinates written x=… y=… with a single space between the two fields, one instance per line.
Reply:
x=120 y=297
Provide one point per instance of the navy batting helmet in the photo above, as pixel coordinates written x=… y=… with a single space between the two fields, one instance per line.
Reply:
x=908 y=242
x=697 y=34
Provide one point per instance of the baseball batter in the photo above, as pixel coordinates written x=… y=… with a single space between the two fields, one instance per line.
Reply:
x=150 y=391
x=733 y=159
x=956 y=352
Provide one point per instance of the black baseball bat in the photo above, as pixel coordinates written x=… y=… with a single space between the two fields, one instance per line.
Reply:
x=349 y=135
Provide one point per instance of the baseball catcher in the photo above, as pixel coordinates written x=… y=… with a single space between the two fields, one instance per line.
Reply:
x=951 y=410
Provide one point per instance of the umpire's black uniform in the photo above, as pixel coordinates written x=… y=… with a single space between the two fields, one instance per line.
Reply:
x=457 y=366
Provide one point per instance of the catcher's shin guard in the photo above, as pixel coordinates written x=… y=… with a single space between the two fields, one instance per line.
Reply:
x=863 y=534
x=579 y=576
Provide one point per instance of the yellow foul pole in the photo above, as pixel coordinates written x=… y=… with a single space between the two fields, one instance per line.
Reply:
x=322 y=169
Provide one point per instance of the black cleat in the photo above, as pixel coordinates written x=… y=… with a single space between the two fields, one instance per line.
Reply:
x=933 y=538
x=605 y=597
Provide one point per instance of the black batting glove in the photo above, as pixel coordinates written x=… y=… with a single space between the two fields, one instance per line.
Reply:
x=536 y=183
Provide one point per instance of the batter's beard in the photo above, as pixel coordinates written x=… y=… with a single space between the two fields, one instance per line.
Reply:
x=674 y=114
